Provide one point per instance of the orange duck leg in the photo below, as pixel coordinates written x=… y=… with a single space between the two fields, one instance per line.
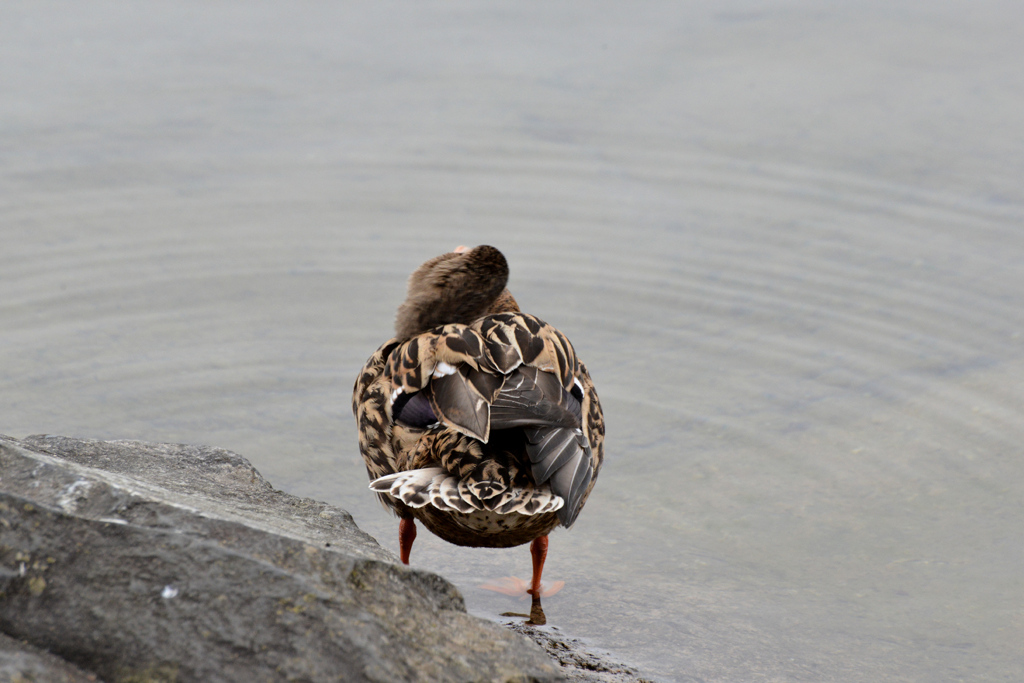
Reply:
x=516 y=587
x=406 y=535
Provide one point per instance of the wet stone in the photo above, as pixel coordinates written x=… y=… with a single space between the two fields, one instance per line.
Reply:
x=579 y=663
x=128 y=561
x=23 y=663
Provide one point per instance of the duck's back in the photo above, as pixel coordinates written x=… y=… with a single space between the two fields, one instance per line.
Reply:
x=485 y=417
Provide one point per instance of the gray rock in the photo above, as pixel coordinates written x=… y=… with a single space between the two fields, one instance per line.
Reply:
x=157 y=562
x=22 y=663
x=579 y=664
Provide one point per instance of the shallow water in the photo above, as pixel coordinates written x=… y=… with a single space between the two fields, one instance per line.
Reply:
x=786 y=239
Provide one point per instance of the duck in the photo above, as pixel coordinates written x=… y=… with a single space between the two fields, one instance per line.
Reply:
x=476 y=419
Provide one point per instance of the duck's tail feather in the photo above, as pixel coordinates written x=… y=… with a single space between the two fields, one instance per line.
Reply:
x=413 y=487
x=444 y=491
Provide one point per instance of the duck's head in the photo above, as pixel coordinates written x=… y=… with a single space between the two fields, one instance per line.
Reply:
x=458 y=287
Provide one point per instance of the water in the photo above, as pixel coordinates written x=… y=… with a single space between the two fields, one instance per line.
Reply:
x=785 y=237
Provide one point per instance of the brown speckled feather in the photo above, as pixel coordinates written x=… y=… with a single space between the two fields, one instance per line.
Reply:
x=423 y=406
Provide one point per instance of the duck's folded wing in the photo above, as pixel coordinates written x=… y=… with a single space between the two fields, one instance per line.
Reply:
x=533 y=397
x=562 y=458
x=459 y=396
x=550 y=417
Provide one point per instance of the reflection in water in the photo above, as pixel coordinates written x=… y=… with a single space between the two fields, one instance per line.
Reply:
x=784 y=237
x=536 y=616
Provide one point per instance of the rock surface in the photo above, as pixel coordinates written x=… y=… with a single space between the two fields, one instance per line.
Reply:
x=579 y=664
x=132 y=562
x=157 y=562
x=22 y=663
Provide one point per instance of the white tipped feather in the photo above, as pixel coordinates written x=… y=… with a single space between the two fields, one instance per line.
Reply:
x=495 y=499
x=553 y=503
x=435 y=483
x=531 y=501
x=487 y=489
x=452 y=496
x=434 y=486
x=413 y=493
x=437 y=498
x=412 y=487
x=467 y=495
x=383 y=484
x=443 y=369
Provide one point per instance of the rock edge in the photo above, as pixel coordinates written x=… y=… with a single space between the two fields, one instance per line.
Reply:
x=127 y=561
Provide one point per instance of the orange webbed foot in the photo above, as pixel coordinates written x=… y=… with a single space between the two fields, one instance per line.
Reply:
x=517 y=588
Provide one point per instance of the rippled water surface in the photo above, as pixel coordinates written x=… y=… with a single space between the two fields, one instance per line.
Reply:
x=786 y=237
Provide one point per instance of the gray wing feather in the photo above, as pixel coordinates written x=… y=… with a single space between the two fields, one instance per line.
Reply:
x=549 y=415
x=561 y=457
x=551 y=418
x=455 y=400
x=533 y=397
